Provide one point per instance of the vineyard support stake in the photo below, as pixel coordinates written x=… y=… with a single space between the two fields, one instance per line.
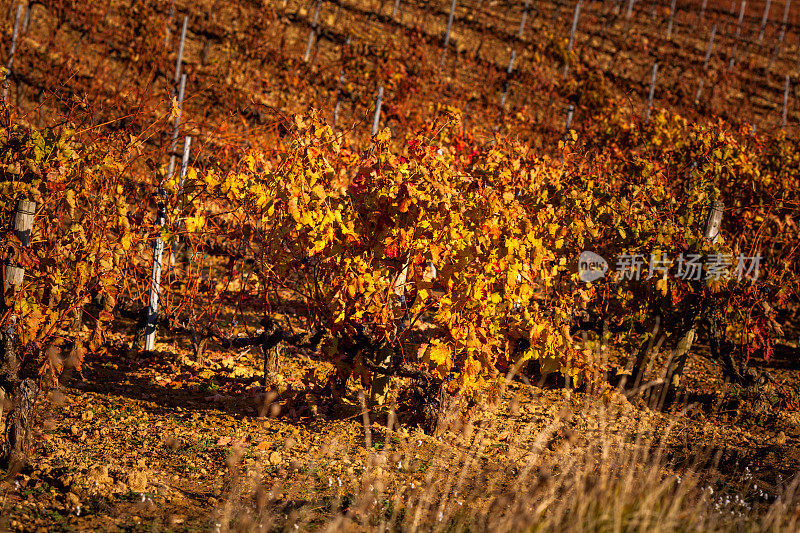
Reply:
x=179 y=59
x=785 y=113
x=523 y=19
x=764 y=18
x=313 y=33
x=575 y=16
x=649 y=108
x=447 y=31
x=376 y=119
x=671 y=19
x=155 y=281
x=187 y=147
x=173 y=146
x=508 y=78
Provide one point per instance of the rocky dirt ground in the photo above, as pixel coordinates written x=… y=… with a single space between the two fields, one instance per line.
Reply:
x=141 y=443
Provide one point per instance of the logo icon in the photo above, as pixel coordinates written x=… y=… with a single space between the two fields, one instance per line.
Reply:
x=591 y=267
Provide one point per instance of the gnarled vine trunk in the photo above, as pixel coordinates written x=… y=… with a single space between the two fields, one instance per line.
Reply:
x=16 y=414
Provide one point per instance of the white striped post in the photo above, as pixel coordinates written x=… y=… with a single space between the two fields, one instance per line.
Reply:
x=508 y=78
x=523 y=19
x=338 y=104
x=187 y=148
x=785 y=19
x=376 y=119
x=649 y=108
x=313 y=33
x=170 y=14
x=575 y=16
x=179 y=59
x=699 y=90
x=764 y=18
x=173 y=146
x=785 y=113
x=781 y=35
x=11 y=52
x=155 y=283
x=710 y=46
x=27 y=20
x=738 y=33
x=449 y=28
x=671 y=18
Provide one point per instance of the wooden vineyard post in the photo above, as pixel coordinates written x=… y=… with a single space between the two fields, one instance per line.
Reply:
x=11 y=52
x=575 y=16
x=764 y=18
x=395 y=8
x=376 y=119
x=380 y=383
x=649 y=108
x=673 y=369
x=629 y=12
x=671 y=19
x=447 y=31
x=785 y=113
x=18 y=394
x=523 y=19
x=508 y=79
x=568 y=122
x=312 y=34
x=23 y=226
